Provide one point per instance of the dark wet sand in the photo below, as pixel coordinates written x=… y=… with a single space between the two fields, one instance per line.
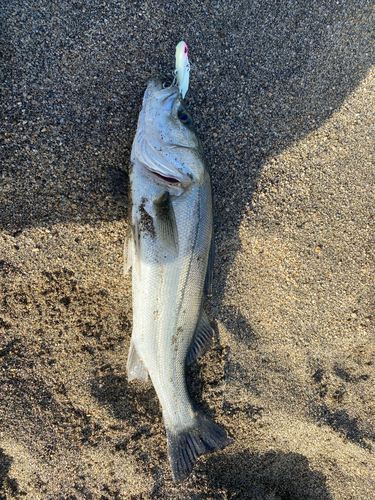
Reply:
x=283 y=97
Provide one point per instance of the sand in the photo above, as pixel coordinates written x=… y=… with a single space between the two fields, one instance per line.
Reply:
x=283 y=98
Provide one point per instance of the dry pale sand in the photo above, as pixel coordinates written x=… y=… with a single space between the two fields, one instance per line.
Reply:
x=283 y=96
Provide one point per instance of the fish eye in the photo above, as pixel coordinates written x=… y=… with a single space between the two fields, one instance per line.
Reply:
x=185 y=116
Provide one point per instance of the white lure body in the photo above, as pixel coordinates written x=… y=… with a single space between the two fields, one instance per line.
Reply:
x=182 y=68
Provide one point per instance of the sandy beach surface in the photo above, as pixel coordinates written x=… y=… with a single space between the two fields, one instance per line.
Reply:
x=283 y=95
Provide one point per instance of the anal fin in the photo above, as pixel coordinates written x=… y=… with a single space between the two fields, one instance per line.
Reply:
x=135 y=367
x=202 y=339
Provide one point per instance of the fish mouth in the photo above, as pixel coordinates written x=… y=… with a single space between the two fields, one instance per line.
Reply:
x=154 y=85
x=165 y=95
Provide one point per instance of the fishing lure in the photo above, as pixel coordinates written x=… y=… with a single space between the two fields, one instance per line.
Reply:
x=182 y=68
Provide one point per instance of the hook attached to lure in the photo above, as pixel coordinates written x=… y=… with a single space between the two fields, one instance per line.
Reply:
x=182 y=68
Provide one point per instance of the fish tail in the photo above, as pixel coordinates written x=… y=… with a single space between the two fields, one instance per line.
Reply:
x=186 y=445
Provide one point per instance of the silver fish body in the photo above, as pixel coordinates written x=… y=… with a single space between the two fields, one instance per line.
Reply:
x=169 y=252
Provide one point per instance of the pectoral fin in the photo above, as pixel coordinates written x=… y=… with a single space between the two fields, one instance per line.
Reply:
x=165 y=222
x=202 y=339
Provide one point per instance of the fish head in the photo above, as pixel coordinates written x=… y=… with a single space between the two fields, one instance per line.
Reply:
x=166 y=144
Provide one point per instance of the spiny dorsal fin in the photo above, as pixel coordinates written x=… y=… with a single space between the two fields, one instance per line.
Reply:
x=165 y=222
x=202 y=339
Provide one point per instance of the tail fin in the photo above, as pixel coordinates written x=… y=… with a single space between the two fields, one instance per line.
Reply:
x=186 y=445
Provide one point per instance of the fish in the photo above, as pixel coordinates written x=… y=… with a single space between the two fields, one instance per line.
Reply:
x=170 y=250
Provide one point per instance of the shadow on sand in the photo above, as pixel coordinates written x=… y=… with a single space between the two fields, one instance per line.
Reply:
x=267 y=74
x=269 y=476
x=8 y=486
